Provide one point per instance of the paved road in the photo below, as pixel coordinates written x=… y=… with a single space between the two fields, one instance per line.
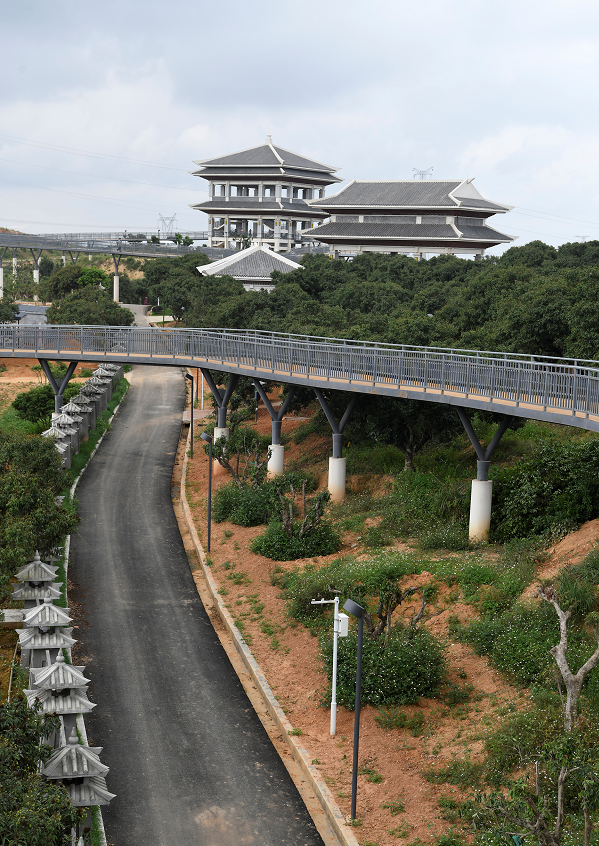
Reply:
x=189 y=760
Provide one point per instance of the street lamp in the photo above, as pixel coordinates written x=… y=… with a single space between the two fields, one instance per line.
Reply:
x=356 y=611
x=208 y=439
x=190 y=377
x=340 y=629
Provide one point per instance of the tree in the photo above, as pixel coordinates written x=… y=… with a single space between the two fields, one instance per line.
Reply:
x=46 y=267
x=9 y=311
x=38 y=403
x=31 y=477
x=33 y=811
x=89 y=306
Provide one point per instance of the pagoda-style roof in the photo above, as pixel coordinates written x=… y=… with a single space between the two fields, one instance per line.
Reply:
x=227 y=208
x=54 y=432
x=425 y=234
x=59 y=675
x=34 y=639
x=47 y=615
x=37 y=571
x=71 y=408
x=74 y=761
x=25 y=591
x=447 y=195
x=267 y=155
x=252 y=265
x=92 y=791
x=74 y=702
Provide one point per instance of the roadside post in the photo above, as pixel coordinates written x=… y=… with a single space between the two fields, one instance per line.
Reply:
x=356 y=611
x=208 y=439
x=340 y=629
x=190 y=377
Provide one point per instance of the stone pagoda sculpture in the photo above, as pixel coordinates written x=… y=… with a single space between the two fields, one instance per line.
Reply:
x=79 y=768
x=36 y=583
x=60 y=689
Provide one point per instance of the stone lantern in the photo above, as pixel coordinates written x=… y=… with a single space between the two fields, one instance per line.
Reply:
x=69 y=425
x=46 y=616
x=82 y=420
x=60 y=689
x=100 y=386
x=79 y=768
x=87 y=407
x=40 y=648
x=116 y=369
x=105 y=372
x=36 y=583
x=102 y=383
x=94 y=397
x=62 y=442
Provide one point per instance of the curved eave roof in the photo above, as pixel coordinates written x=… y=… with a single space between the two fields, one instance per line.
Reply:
x=215 y=206
x=407 y=233
x=443 y=195
x=252 y=265
x=260 y=173
x=266 y=155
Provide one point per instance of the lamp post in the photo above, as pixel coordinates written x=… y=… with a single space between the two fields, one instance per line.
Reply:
x=184 y=310
x=190 y=377
x=208 y=440
x=357 y=611
x=340 y=629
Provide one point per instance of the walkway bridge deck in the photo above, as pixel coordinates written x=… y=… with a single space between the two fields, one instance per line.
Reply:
x=561 y=391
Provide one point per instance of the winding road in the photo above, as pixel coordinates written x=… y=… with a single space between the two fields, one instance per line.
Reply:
x=189 y=760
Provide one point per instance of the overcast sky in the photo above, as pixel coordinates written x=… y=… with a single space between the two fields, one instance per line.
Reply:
x=104 y=107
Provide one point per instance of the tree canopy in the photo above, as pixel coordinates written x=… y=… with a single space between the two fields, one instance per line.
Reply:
x=31 y=477
x=89 y=306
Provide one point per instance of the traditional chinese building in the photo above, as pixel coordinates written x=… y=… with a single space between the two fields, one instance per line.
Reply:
x=414 y=217
x=252 y=267
x=262 y=196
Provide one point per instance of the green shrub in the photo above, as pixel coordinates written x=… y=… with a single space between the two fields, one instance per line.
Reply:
x=410 y=666
x=245 y=505
x=461 y=772
x=38 y=403
x=276 y=544
x=354 y=579
x=550 y=492
x=393 y=718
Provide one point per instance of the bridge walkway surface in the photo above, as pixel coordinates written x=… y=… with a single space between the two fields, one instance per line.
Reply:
x=189 y=760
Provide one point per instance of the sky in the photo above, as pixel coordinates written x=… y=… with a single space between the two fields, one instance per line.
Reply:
x=104 y=107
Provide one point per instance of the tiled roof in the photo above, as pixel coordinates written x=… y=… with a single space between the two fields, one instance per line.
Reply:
x=75 y=701
x=405 y=232
x=93 y=791
x=256 y=263
x=421 y=193
x=74 y=761
x=37 y=571
x=276 y=173
x=217 y=204
x=58 y=675
x=266 y=155
x=26 y=591
x=47 y=615
x=34 y=639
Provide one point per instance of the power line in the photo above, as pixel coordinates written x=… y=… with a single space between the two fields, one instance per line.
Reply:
x=88 y=153
x=95 y=176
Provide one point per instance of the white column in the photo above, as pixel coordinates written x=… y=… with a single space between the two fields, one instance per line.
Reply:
x=337 y=479
x=1 y=281
x=480 y=510
x=275 y=461
x=115 y=295
x=36 y=276
x=218 y=469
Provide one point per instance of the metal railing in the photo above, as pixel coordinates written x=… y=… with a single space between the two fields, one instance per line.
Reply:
x=562 y=390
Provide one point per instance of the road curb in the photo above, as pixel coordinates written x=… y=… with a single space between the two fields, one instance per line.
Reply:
x=300 y=755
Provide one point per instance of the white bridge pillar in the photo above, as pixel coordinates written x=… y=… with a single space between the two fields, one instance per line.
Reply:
x=219 y=432
x=480 y=510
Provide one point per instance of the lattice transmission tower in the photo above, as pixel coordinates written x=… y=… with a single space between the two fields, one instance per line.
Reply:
x=166 y=224
x=422 y=174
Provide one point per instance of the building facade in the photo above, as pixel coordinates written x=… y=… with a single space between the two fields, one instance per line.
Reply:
x=263 y=195
x=415 y=217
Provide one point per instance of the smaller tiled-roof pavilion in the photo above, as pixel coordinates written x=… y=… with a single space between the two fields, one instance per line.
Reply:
x=253 y=267
x=262 y=194
x=412 y=217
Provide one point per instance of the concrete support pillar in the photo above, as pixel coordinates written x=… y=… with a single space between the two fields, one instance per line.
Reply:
x=480 y=511
x=58 y=389
x=336 y=483
x=336 y=462
x=1 y=281
x=116 y=293
x=482 y=489
x=219 y=432
x=36 y=276
x=64 y=259
x=276 y=460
